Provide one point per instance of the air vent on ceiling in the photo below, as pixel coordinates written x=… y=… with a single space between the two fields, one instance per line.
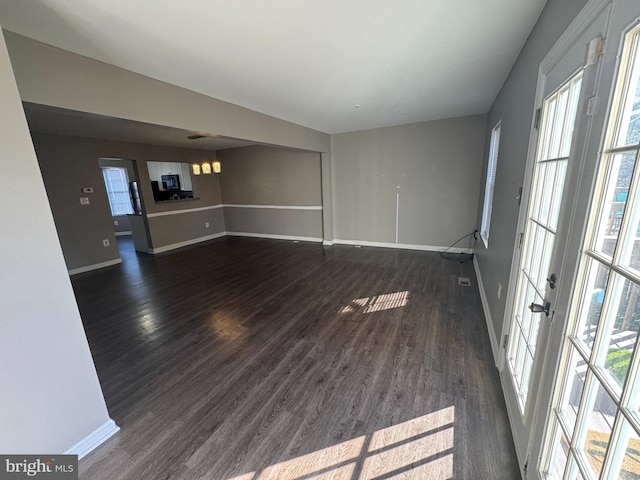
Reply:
x=195 y=137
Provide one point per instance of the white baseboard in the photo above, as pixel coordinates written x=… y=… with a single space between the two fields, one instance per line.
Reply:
x=328 y=243
x=487 y=313
x=95 y=266
x=123 y=234
x=186 y=243
x=94 y=439
x=274 y=237
x=404 y=246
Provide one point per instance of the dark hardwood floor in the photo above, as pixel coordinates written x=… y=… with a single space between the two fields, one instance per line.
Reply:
x=247 y=359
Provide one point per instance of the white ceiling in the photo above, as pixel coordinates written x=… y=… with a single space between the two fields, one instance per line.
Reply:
x=306 y=61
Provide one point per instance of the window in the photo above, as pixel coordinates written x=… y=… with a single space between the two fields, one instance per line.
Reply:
x=117 y=183
x=491 y=181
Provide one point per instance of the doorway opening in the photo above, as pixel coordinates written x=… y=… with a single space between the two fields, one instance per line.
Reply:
x=122 y=185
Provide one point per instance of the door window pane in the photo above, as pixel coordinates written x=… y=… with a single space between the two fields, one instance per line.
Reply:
x=558 y=129
x=548 y=128
x=629 y=131
x=540 y=237
x=545 y=259
x=630 y=251
x=591 y=310
x=621 y=331
x=614 y=202
x=559 y=456
x=524 y=317
x=526 y=375
x=627 y=462
x=558 y=188
x=571 y=120
x=538 y=191
x=518 y=359
x=573 y=389
x=549 y=182
x=597 y=428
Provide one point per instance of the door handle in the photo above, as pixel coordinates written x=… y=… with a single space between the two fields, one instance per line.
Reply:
x=537 y=308
x=552 y=281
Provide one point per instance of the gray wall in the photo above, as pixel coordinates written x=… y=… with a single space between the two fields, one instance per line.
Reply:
x=82 y=84
x=70 y=163
x=261 y=175
x=50 y=397
x=434 y=166
x=79 y=83
x=123 y=225
x=514 y=106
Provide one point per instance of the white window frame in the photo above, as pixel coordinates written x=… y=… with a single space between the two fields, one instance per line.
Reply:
x=492 y=167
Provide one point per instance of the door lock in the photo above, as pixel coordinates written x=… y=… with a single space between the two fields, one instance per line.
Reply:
x=537 y=308
x=553 y=279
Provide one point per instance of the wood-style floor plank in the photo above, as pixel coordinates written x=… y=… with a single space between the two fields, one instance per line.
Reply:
x=247 y=359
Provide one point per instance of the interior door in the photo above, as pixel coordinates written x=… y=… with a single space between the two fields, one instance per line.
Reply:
x=562 y=111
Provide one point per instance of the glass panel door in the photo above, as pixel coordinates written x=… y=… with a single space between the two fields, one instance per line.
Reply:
x=540 y=227
x=594 y=429
x=567 y=80
x=559 y=114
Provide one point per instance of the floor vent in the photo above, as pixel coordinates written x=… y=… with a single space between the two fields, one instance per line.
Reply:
x=464 y=281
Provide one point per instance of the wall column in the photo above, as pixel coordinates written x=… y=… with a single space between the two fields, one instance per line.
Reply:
x=50 y=400
x=327 y=198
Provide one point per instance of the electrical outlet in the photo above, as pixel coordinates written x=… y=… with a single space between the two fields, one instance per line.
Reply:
x=84 y=200
x=115 y=223
x=105 y=242
x=499 y=290
x=206 y=224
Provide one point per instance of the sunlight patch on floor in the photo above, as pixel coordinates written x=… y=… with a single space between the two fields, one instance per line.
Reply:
x=377 y=303
x=419 y=448
x=332 y=461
